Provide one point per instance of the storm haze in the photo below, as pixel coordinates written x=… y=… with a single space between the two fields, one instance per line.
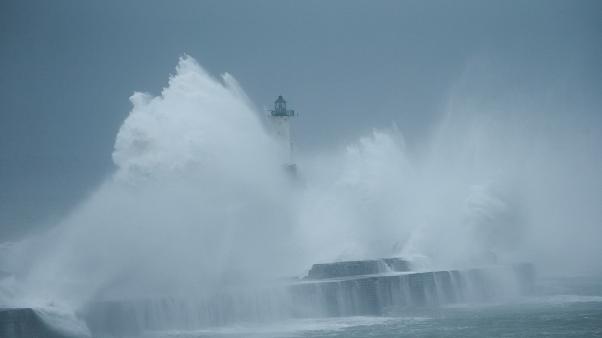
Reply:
x=305 y=168
x=69 y=67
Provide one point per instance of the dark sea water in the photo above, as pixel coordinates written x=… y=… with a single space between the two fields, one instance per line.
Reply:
x=560 y=307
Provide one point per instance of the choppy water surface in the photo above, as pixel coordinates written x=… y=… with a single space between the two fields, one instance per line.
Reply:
x=568 y=307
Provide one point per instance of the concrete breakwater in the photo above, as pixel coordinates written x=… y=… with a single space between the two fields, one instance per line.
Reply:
x=30 y=323
x=329 y=290
x=389 y=293
x=372 y=295
x=357 y=268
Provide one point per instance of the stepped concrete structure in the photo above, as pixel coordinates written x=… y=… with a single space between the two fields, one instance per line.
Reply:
x=354 y=288
x=26 y=323
x=395 y=292
x=356 y=268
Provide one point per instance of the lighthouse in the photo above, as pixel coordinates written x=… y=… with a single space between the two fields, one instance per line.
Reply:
x=280 y=117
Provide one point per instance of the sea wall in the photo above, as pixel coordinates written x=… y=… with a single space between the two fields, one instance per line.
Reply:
x=371 y=295
x=25 y=323
x=387 y=294
x=357 y=268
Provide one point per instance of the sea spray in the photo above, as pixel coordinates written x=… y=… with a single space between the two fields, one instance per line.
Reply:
x=199 y=203
x=194 y=202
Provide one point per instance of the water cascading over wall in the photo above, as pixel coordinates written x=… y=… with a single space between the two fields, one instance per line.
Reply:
x=367 y=295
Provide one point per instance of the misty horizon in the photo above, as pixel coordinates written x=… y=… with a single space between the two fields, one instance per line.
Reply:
x=377 y=66
x=276 y=168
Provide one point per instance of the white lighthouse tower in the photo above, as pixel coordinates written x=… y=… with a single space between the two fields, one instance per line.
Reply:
x=280 y=118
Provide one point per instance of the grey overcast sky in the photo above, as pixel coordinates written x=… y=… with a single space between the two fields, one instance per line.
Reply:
x=68 y=67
